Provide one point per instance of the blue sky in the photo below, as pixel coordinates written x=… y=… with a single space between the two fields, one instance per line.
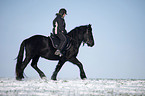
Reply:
x=118 y=29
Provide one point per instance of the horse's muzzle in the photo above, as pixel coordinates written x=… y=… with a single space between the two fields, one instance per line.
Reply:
x=90 y=43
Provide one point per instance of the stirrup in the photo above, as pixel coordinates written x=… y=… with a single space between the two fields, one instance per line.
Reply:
x=57 y=52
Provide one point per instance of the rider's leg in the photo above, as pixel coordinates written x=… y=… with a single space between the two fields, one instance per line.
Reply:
x=63 y=42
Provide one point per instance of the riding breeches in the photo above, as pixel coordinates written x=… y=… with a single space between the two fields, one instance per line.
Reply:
x=63 y=41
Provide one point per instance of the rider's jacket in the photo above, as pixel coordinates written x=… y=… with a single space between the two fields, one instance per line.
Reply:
x=59 y=25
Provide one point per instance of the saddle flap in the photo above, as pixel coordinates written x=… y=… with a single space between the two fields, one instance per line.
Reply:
x=55 y=40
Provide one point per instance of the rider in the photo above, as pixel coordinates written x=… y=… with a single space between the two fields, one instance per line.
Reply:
x=59 y=30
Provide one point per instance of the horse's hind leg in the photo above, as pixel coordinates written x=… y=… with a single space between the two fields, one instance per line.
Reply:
x=34 y=65
x=23 y=66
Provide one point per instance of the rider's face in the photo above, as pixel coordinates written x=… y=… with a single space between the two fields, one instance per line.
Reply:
x=63 y=15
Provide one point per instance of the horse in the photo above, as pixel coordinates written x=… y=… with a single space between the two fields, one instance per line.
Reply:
x=41 y=46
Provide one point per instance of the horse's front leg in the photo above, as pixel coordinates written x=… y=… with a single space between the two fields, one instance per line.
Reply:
x=57 y=69
x=75 y=61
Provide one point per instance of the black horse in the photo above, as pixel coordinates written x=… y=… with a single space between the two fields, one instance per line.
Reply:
x=40 y=46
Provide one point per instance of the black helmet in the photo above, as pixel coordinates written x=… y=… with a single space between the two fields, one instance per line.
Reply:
x=62 y=11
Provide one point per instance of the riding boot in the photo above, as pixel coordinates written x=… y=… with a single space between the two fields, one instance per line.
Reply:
x=63 y=42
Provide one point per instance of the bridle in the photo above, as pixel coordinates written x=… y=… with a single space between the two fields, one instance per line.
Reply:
x=87 y=36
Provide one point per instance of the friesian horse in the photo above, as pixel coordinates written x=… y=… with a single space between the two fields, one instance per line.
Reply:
x=41 y=46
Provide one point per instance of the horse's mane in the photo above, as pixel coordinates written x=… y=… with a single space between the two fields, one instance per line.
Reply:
x=74 y=32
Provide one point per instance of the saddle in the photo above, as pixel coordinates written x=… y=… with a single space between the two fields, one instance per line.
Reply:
x=56 y=41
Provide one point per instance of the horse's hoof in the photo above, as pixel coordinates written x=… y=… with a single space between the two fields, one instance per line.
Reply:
x=53 y=79
x=44 y=78
x=84 y=79
x=18 y=78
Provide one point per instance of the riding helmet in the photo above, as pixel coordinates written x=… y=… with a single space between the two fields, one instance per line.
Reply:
x=62 y=11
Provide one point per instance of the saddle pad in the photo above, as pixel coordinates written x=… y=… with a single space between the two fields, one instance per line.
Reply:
x=55 y=41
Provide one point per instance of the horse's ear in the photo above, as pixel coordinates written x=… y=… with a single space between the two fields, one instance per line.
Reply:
x=90 y=24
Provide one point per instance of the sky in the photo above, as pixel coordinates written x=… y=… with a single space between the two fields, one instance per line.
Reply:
x=118 y=28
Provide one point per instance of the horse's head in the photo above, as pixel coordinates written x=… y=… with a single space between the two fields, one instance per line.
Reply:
x=83 y=33
x=88 y=36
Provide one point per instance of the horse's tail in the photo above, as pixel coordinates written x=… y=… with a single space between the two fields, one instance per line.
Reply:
x=19 y=74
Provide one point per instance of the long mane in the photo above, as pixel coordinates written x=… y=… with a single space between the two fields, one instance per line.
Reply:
x=74 y=32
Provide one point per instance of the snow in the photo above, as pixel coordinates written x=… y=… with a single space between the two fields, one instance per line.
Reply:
x=77 y=87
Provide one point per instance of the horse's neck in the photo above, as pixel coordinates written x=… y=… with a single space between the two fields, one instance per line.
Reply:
x=77 y=38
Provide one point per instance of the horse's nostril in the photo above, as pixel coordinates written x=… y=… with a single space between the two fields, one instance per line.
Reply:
x=91 y=43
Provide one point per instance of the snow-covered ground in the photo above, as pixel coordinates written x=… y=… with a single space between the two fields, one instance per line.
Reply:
x=89 y=87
